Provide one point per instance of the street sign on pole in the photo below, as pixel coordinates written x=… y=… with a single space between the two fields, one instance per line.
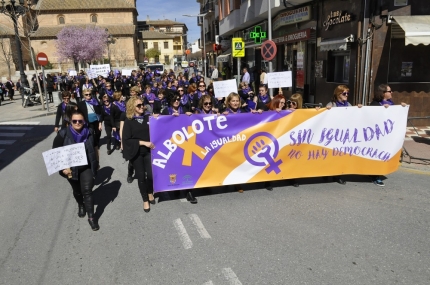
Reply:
x=238 y=47
x=268 y=50
x=42 y=59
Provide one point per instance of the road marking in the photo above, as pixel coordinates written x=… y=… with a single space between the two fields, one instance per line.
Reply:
x=10 y=128
x=199 y=225
x=183 y=200
x=1 y=150
x=183 y=235
x=231 y=277
x=415 y=171
x=7 y=141
x=11 y=134
x=208 y=283
x=19 y=123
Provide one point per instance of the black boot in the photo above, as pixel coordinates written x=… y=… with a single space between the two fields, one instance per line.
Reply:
x=191 y=198
x=130 y=172
x=81 y=210
x=89 y=206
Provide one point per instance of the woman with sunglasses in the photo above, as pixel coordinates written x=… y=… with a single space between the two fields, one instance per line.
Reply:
x=201 y=90
x=206 y=105
x=175 y=108
x=382 y=97
x=106 y=90
x=107 y=119
x=81 y=178
x=61 y=111
x=137 y=148
x=92 y=111
x=340 y=99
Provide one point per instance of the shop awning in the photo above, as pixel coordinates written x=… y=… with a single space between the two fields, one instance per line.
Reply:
x=336 y=44
x=417 y=29
x=224 y=57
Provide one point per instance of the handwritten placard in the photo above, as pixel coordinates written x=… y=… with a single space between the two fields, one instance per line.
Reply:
x=73 y=73
x=65 y=157
x=126 y=72
x=101 y=69
x=224 y=88
x=279 y=79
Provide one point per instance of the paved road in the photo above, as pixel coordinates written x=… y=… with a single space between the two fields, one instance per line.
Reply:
x=318 y=233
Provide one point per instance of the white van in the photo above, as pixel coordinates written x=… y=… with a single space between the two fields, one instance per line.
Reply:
x=155 y=66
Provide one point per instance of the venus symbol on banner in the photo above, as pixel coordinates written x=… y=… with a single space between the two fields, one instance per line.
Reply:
x=262 y=153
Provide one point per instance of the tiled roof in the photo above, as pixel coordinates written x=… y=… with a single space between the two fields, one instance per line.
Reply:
x=162 y=22
x=50 y=5
x=155 y=35
x=115 y=30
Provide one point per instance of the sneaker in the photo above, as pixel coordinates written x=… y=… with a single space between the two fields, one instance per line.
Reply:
x=378 y=182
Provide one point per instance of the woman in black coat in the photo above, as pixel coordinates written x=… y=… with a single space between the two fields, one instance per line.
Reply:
x=61 y=111
x=137 y=148
x=92 y=111
x=118 y=107
x=81 y=178
x=50 y=87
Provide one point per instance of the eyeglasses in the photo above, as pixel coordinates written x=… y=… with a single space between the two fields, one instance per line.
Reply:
x=140 y=105
x=345 y=93
x=389 y=91
x=207 y=103
x=77 y=122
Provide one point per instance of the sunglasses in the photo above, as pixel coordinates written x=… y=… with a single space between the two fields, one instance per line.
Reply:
x=345 y=93
x=207 y=104
x=87 y=94
x=180 y=90
x=105 y=100
x=77 y=122
x=389 y=91
x=178 y=100
x=202 y=85
x=140 y=105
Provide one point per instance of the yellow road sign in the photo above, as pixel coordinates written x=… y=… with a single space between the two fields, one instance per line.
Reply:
x=238 y=47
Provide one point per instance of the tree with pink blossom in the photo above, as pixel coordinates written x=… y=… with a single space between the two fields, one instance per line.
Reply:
x=81 y=43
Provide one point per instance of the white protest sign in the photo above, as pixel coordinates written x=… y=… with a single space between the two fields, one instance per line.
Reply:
x=65 y=157
x=101 y=69
x=224 y=88
x=91 y=74
x=279 y=79
x=73 y=73
x=126 y=72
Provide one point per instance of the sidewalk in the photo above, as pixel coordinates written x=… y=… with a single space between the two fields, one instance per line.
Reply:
x=13 y=110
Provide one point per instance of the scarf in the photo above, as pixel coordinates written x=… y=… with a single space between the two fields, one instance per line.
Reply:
x=63 y=107
x=92 y=101
x=388 y=102
x=341 y=104
x=80 y=137
x=232 y=112
x=107 y=109
x=120 y=105
x=139 y=119
x=180 y=111
x=264 y=99
x=109 y=92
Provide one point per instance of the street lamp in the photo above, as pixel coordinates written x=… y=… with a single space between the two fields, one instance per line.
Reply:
x=204 y=41
x=13 y=11
x=109 y=42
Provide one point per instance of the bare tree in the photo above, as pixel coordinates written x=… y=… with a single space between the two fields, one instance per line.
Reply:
x=6 y=55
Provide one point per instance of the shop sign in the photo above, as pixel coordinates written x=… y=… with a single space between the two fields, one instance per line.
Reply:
x=335 y=18
x=302 y=35
x=292 y=17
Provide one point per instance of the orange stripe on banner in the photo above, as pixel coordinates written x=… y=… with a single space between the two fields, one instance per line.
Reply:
x=231 y=155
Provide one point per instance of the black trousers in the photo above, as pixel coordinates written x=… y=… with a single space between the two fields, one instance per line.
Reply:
x=83 y=190
x=108 y=129
x=97 y=132
x=143 y=170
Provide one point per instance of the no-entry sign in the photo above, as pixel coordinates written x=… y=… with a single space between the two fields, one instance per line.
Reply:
x=268 y=50
x=42 y=59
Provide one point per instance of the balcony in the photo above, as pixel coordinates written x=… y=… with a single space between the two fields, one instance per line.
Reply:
x=209 y=7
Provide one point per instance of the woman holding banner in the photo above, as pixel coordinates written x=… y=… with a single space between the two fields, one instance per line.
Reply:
x=382 y=97
x=206 y=105
x=137 y=148
x=340 y=99
x=81 y=178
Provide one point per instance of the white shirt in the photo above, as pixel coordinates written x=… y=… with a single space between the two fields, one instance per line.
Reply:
x=215 y=74
x=246 y=77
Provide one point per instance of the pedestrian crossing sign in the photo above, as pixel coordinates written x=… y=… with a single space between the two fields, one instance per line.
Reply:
x=238 y=47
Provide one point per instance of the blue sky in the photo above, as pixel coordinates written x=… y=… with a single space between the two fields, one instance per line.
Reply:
x=172 y=10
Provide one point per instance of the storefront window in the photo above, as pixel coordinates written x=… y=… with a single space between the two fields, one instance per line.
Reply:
x=338 y=67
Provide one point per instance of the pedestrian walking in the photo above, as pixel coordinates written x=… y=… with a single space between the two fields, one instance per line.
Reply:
x=81 y=178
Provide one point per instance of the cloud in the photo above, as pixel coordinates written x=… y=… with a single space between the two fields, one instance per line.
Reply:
x=172 y=10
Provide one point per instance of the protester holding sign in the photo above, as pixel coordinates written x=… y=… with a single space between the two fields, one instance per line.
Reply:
x=137 y=148
x=81 y=178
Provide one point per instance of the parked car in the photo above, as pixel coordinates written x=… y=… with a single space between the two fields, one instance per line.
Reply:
x=157 y=66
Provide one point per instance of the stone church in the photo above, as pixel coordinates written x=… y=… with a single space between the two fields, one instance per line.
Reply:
x=118 y=17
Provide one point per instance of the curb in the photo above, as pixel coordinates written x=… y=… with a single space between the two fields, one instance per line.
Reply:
x=35 y=116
